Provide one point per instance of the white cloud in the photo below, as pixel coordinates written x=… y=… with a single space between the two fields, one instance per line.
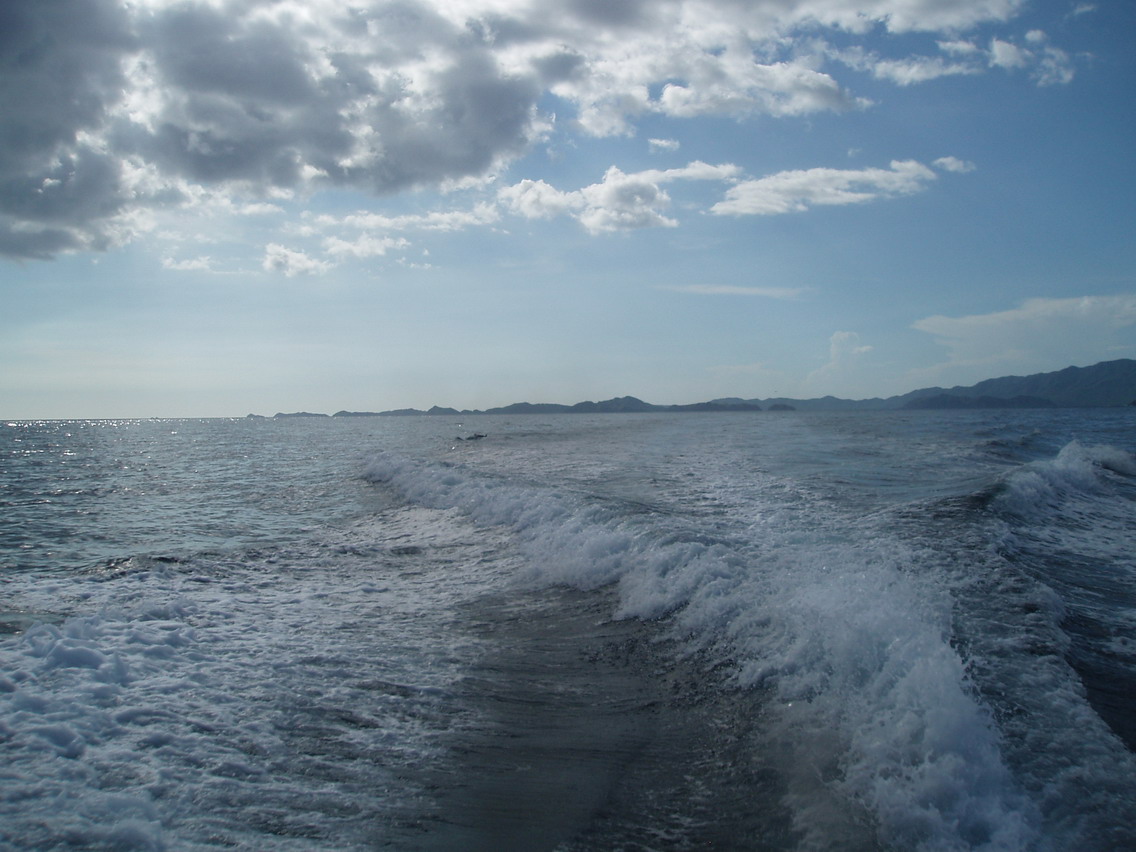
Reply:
x=1054 y=67
x=1006 y=55
x=439 y=220
x=201 y=264
x=366 y=245
x=909 y=70
x=918 y=69
x=278 y=258
x=365 y=234
x=535 y=199
x=959 y=47
x=116 y=108
x=954 y=164
x=1038 y=335
x=656 y=145
x=619 y=202
x=798 y=190
x=1048 y=65
x=628 y=201
x=781 y=89
x=840 y=376
x=624 y=202
x=844 y=345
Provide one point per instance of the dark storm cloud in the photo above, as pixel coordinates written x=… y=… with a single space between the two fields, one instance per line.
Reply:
x=238 y=101
x=383 y=99
x=40 y=244
x=478 y=116
x=79 y=187
x=59 y=68
x=560 y=66
x=608 y=13
x=60 y=71
x=202 y=50
x=461 y=114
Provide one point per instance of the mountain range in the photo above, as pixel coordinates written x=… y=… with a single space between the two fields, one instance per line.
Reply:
x=1104 y=385
x=1107 y=384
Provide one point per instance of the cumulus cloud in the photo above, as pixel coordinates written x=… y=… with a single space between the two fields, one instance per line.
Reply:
x=839 y=374
x=1068 y=331
x=278 y=258
x=959 y=47
x=438 y=220
x=333 y=240
x=781 y=88
x=619 y=202
x=1046 y=64
x=1006 y=55
x=638 y=200
x=844 y=345
x=62 y=77
x=111 y=108
x=909 y=70
x=199 y=264
x=954 y=164
x=798 y=190
x=366 y=234
x=536 y=199
x=366 y=245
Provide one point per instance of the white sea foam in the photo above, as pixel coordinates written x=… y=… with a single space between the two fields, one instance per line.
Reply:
x=280 y=701
x=1065 y=523
x=1041 y=488
x=870 y=700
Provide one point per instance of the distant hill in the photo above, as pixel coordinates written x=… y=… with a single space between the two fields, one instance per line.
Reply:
x=1105 y=385
x=619 y=405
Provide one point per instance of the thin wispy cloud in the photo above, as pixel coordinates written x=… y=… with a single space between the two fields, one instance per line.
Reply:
x=197 y=264
x=1074 y=327
x=798 y=190
x=1031 y=54
x=733 y=290
x=954 y=164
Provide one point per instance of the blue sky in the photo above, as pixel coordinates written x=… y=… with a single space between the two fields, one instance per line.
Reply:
x=212 y=208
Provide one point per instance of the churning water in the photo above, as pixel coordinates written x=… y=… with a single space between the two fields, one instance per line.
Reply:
x=675 y=631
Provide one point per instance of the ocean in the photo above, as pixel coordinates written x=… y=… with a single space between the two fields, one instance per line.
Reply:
x=758 y=631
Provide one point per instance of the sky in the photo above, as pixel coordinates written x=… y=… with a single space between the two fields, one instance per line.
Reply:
x=218 y=207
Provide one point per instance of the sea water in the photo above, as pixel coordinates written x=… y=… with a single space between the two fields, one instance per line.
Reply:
x=778 y=630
